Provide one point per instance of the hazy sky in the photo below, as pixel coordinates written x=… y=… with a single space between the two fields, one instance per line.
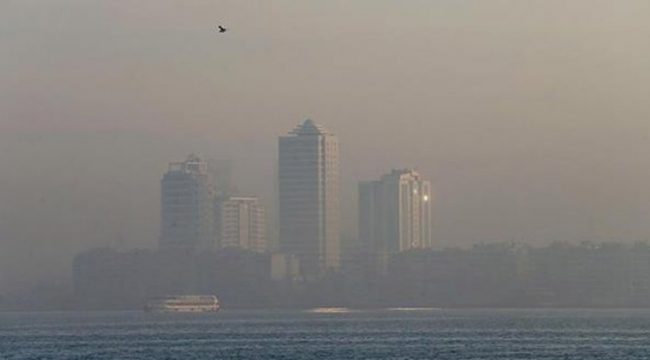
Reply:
x=531 y=118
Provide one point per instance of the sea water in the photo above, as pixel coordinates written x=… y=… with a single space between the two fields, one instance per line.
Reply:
x=340 y=334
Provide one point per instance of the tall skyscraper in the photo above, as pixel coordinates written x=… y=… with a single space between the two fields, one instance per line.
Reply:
x=395 y=213
x=241 y=223
x=187 y=211
x=309 y=197
x=370 y=218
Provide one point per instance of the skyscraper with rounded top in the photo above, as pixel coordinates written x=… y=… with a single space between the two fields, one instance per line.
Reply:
x=309 y=198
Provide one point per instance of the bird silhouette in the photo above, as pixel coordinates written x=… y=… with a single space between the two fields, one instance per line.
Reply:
x=221 y=29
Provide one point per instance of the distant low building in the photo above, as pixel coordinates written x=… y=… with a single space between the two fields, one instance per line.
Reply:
x=241 y=223
x=285 y=267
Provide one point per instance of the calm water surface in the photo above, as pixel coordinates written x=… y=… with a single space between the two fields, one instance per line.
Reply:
x=433 y=334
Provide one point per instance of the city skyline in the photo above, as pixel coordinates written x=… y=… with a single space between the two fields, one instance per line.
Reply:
x=394 y=212
x=530 y=117
x=344 y=179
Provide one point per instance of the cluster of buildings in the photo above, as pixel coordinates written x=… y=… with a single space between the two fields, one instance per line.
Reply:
x=202 y=210
x=199 y=214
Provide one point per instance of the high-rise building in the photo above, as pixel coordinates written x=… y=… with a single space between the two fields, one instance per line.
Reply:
x=309 y=197
x=407 y=205
x=241 y=224
x=395 y=213
x=187 y=211
x=370 y=218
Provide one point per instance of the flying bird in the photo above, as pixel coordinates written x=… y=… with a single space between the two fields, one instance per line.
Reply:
x=221 y=29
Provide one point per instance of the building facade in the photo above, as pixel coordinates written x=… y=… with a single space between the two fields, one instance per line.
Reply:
x=370 y=218
x=395 y=213
x=187 y=210
x=308 y=179
x=241 y=223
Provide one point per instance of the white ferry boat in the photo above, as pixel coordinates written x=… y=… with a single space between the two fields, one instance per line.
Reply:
x=183 y=303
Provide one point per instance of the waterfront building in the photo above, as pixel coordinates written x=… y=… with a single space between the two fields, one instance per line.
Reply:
x=309 y=202
x=395 y=213
x=241 y=223
x=187 y=208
